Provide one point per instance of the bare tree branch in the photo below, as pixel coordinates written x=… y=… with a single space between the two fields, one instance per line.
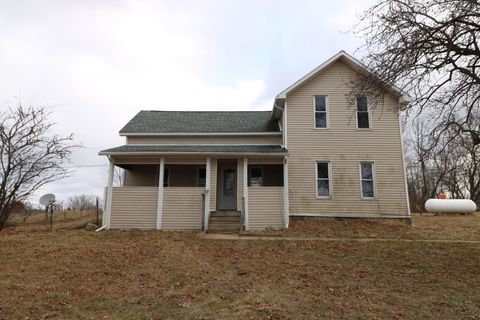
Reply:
x=30 y=155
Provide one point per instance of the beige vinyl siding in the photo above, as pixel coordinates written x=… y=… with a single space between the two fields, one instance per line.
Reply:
x=260 y=139
x=141 y=176
x=344 y=146
x=185 y=160
x=213 y=185
x=265 y=161
x=265 y=207
x=134 y=207
x=126 y=160
x=182 y=208
x=240 y=185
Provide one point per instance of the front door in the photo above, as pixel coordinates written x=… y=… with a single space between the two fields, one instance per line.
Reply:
x=227 y=184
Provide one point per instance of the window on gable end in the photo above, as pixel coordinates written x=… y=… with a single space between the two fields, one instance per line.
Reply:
x=363 y=115
x=321 y=120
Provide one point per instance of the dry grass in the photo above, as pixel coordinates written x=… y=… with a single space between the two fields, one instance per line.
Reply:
x=426 y=226
x=62 y=220
x=162 y=275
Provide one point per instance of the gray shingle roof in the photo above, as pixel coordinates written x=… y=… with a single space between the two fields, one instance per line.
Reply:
x=201 y=122
x=201 y=149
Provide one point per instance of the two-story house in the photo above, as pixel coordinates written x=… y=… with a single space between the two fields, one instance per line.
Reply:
x=312 y=155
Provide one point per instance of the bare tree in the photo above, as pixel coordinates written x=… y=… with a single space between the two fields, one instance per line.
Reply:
x=82 y=202
x=118 y=176
x=30 y=155
x=450 y=162
x=431 y=50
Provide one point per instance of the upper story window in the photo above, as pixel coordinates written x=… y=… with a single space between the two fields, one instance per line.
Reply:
x=367 y=179
x=321 y=120
x=323 y=180
x=363 y=116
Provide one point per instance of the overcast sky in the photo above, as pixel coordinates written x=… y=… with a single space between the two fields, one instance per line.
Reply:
x=96 y=63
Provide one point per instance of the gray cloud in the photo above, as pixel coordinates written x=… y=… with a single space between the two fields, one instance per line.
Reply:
x=97 y=63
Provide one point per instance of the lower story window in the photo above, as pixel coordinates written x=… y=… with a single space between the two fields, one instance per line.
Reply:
x=367 y=179
x=323 y=179
x=265 y=175
x=184 y=175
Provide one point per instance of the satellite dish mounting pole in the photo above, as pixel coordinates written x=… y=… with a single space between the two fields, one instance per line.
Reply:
x=51 y=214
x=47 y=200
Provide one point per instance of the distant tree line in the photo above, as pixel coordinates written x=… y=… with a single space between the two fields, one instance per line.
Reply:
x=449 y=163
x=82 y=202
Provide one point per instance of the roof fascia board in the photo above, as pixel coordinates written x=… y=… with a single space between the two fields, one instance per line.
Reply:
x=200 y=133
x=190 y=153
x=197 y=144
x=351 y=61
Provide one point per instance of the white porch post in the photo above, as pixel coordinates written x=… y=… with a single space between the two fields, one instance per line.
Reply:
x=206 y=214
x=108 y=207
x=245 y=192
x=286 y=215
x=161 y=173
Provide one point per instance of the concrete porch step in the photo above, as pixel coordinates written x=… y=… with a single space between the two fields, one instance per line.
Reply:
x=226 y=219
x=226 y=214
x=225 y=222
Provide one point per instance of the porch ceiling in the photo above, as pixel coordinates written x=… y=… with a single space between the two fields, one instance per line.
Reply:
x=243 y=150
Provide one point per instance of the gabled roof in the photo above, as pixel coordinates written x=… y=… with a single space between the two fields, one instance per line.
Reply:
x=201 y=122
x=183 y=149
x=347 y=59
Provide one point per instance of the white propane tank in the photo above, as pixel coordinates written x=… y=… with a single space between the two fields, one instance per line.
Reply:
x=450 y=205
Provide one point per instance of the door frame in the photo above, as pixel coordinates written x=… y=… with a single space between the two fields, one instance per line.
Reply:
x=221 y=165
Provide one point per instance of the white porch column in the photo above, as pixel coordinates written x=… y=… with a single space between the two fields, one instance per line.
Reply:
x=286 y=214
x=206 y=214
x=245 y=191
x=108 y=207
x=161 y=173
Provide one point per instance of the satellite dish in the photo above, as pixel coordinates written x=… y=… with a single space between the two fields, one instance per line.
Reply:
x=47 y=199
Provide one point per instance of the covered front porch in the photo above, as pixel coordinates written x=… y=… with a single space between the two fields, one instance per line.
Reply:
x=181 y=192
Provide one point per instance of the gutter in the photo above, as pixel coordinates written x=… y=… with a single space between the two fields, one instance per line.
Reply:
x=275 y=133
x=101 y=153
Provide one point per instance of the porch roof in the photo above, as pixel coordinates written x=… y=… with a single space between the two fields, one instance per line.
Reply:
x=196 y=149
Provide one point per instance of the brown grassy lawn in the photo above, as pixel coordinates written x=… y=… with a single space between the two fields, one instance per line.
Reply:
x=161 y=275
x=426 y=226
x=62 y=220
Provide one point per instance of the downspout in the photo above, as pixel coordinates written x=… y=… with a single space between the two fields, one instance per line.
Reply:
x=108 y=211
x=206 y=197
x=245 y=193
x=100 y=229
x=286 y=205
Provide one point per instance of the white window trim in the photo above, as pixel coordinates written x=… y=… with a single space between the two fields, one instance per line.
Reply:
x=374 y=177
x=330 y=196
x=369 y=112
x=327 y=111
